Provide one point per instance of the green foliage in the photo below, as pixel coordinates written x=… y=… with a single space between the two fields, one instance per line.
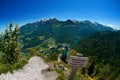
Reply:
x=55 y=31
x=4 y=68
x=73 y=52
x=32 y=51
x=19 y=64
x=114 y=75
x=10 y=45
x=54 y=57
x=91 y=68
x=10 y=57
x=105 y=47
x=61 y=75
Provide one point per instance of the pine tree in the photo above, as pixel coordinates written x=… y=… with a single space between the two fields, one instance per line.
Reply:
x=10 y=45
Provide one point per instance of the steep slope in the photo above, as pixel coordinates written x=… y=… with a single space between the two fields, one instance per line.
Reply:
x=104 y=45
x=104 y=48
x=33 y=34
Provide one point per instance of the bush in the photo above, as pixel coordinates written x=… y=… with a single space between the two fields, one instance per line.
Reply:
x=19 y=64
x=53 y=57
x=61 y=75
x=4 y=68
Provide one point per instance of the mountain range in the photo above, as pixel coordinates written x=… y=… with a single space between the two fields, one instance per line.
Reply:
x=53 y=31
x=98 y=42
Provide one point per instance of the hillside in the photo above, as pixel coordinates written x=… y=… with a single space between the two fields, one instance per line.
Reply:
x=103 y=47
x=52 y=32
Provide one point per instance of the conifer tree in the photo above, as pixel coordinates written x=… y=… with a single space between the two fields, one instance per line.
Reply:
x=10 y=44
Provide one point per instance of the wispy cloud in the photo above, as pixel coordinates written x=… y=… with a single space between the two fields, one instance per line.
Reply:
x=114 y=26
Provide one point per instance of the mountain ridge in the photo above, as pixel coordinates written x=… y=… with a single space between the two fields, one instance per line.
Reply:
x=72 y=20
x=60 y=31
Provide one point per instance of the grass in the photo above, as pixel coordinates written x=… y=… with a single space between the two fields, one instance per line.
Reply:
x=4 y=68
x=23 y=60
x=61 y=75
x=19 y=64
x=24 y=57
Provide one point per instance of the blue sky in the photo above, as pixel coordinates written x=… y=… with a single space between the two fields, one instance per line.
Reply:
x=20 y=12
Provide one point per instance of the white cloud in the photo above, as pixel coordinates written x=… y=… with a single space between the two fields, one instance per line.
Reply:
x=110 y=25
x=113 y=26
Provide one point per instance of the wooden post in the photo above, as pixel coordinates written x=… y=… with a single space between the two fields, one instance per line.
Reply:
x=72 y=76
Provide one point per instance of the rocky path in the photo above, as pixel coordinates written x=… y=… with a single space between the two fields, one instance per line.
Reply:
x=31 y=71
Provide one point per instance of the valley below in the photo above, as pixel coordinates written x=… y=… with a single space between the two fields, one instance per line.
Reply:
x=41 y=50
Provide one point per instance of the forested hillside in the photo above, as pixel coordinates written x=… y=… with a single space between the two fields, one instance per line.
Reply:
x=103 y=47
x=52 y=31
x=100 y=44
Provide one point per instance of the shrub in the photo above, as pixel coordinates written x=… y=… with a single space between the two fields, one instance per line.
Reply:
x=4 y=68
x=61 y=75
x=19 y=64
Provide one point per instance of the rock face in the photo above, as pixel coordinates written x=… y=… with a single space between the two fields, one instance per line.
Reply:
x=31 y=71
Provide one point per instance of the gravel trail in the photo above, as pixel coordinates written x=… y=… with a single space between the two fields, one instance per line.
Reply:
x=31 y=71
